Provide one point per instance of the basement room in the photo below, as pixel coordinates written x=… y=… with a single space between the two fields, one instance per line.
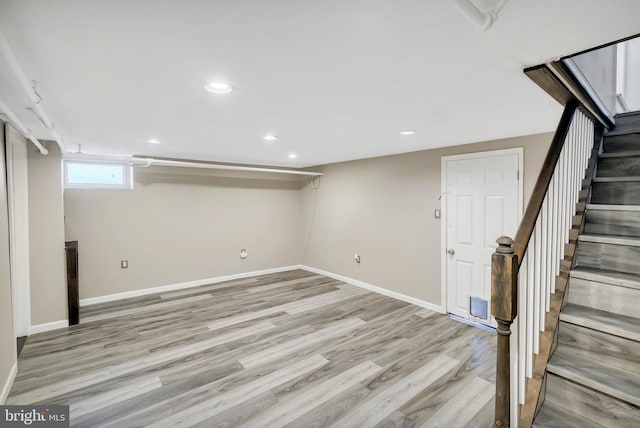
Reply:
x=349 y=214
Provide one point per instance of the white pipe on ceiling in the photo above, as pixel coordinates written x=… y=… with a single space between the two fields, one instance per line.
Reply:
x=27 y=85
x=20 y=126
x=479 y=18
x=180 y=164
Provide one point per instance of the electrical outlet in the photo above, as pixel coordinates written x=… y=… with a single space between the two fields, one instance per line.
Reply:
x=124 y=264
x=243 y=253
x=356 y=258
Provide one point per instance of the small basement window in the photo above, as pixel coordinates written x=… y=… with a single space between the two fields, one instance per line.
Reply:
x=97 y=175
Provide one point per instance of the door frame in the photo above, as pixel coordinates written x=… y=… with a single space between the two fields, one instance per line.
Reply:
x=519 y=151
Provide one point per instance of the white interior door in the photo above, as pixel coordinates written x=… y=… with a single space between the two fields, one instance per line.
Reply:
x=483 y=202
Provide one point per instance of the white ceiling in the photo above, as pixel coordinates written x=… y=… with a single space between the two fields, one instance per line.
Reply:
x=335 y=80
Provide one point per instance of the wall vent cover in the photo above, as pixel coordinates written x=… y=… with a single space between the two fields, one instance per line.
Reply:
x=478 y=307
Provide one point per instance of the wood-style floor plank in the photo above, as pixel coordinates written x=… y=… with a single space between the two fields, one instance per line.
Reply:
x=458 y=412
x=209 y=408
x=304 y=401
x=293 y=349
x=389 y=399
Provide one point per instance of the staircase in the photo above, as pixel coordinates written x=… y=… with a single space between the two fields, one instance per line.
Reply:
x=593 y=377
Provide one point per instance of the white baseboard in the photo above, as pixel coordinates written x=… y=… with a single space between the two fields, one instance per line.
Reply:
x=6 y=388
x=55 y=325
x=376 y=289
x=182 y=285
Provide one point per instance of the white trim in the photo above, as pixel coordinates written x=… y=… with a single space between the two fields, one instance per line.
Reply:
x=182 y=285
x=375 y=289
x=443 y=232
x=18 y=189
x=443 y=205
x=621 y=70
x=55 y=325
x=8 y=383
x=487 y=154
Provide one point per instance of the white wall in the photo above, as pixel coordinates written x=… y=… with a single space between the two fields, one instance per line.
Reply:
x=179 y=225
x=383 y=209
x=632 y=84
x=599 y=68
x=46 y=238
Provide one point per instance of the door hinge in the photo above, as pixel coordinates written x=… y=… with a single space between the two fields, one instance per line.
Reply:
x=518 y=175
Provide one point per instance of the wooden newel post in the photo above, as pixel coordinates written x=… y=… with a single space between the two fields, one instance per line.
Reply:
x=504 y=307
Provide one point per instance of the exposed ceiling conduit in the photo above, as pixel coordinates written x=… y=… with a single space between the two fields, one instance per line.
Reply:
x=181 y=164
x=13 y=119
x=28 y=87
x=481 y=19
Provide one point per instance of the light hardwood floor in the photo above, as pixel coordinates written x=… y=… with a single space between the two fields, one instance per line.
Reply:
x=293 y=349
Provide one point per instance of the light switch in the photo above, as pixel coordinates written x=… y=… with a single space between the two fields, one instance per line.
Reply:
x=436 y=214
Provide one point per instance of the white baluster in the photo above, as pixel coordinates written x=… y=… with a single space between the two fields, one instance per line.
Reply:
x=543 y=263
x=531 y=262
x=555 y=260
x=522 y=328
x=537 y=283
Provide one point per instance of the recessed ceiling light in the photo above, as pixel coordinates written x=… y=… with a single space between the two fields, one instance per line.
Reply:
x=153 y=141
x=270 y=137
x=219 y=88
x=292 y=155
x=408 y=132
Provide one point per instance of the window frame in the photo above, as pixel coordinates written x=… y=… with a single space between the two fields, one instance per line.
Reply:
x=127 y=174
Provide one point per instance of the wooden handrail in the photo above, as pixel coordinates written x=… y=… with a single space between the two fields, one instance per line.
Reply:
x=528 y=223
x=506 y=262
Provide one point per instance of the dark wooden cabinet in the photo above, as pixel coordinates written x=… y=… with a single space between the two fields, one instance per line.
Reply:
x=73 y=294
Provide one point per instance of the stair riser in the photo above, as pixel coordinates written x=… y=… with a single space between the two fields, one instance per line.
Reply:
x=605 y=297
x=616 y=351
x=620 y=223
x=620 y=258
x=619 y=167
x=591 y=404
x=621 y=143
x=620 y=193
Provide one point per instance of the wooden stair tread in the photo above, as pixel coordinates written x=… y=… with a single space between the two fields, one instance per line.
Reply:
x=626 y=154
x=606 y=276
x=609 y=239
x=627 y=114
x=615 y=179
x=590 y=404
x=589 y=370
x=623 y=131
x=556 y=416
x=606 y=322
x=605 y=207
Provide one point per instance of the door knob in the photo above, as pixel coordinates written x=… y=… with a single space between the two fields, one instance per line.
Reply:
x=451 y=252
